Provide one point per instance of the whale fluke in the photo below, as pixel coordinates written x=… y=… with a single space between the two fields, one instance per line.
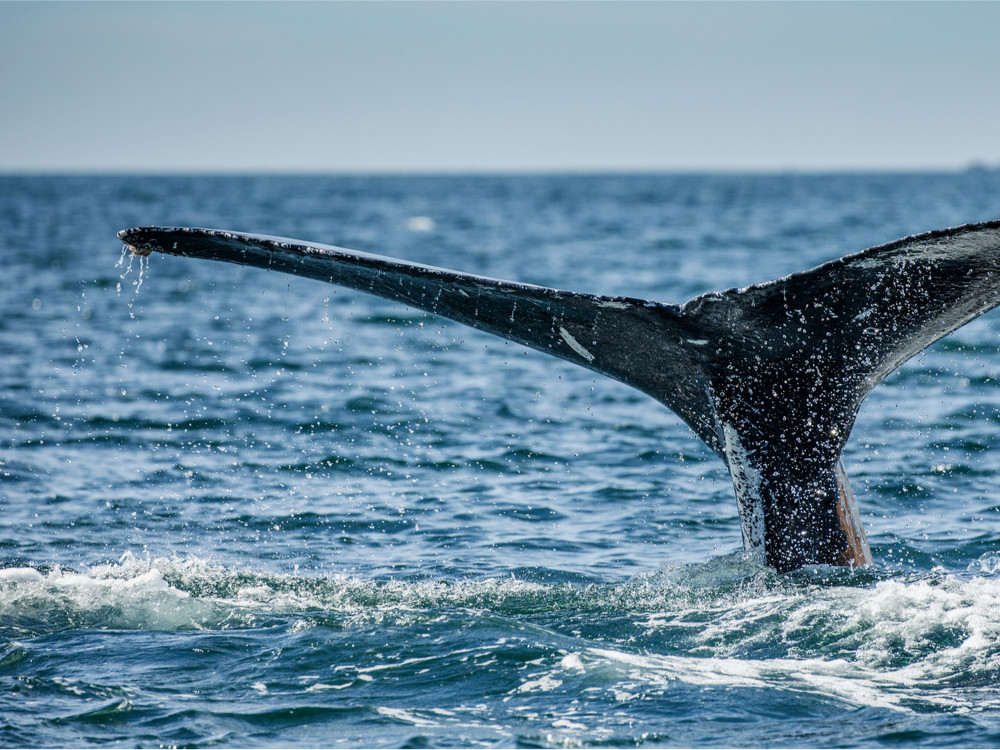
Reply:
x=770 y=376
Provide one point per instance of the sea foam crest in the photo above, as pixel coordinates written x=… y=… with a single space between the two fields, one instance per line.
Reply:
x=856 y=638
x=131 y=595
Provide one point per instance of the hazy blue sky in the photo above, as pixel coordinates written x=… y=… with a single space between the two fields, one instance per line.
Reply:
x=497 y=86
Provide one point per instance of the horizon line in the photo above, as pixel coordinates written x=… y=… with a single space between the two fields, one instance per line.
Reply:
x=971 y=167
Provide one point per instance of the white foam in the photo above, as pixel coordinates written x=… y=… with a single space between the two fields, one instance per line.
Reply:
x=544 y=684
x=21 y=575
x=128 y=596
x=832 y=677
x=406 y=717
x=571 y=661
x=898 y=643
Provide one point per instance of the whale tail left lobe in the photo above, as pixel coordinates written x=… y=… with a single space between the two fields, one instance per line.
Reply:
x=770 y=376
x=639 y=342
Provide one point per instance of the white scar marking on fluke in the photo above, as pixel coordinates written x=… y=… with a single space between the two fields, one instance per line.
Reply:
x=697 y=342
x=746 y=482
x=575 y=345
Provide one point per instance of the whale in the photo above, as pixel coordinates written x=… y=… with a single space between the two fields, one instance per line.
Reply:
x=770 y=376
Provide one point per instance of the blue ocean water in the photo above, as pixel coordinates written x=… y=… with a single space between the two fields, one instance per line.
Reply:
x=246 y=509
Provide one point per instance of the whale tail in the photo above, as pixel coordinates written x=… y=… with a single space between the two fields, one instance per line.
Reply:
x=770 y=376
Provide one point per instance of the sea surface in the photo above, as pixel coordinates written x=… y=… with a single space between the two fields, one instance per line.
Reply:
x=246 y=509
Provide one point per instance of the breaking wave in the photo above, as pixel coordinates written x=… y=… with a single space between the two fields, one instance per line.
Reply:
x=924 y=641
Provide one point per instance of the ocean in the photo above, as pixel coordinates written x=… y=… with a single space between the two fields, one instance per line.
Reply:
x=245 y=509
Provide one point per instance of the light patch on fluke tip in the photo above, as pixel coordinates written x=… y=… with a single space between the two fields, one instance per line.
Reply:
x=575 y=345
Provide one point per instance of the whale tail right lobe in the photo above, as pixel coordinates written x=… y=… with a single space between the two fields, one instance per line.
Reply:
x=790 y=361
x=770 y=376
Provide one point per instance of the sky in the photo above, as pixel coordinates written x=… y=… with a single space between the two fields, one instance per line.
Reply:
x=483 y=86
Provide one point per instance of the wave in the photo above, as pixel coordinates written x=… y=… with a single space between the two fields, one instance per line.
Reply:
x=864 y=637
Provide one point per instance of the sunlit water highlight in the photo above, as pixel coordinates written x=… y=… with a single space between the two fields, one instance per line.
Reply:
x=246 y=509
